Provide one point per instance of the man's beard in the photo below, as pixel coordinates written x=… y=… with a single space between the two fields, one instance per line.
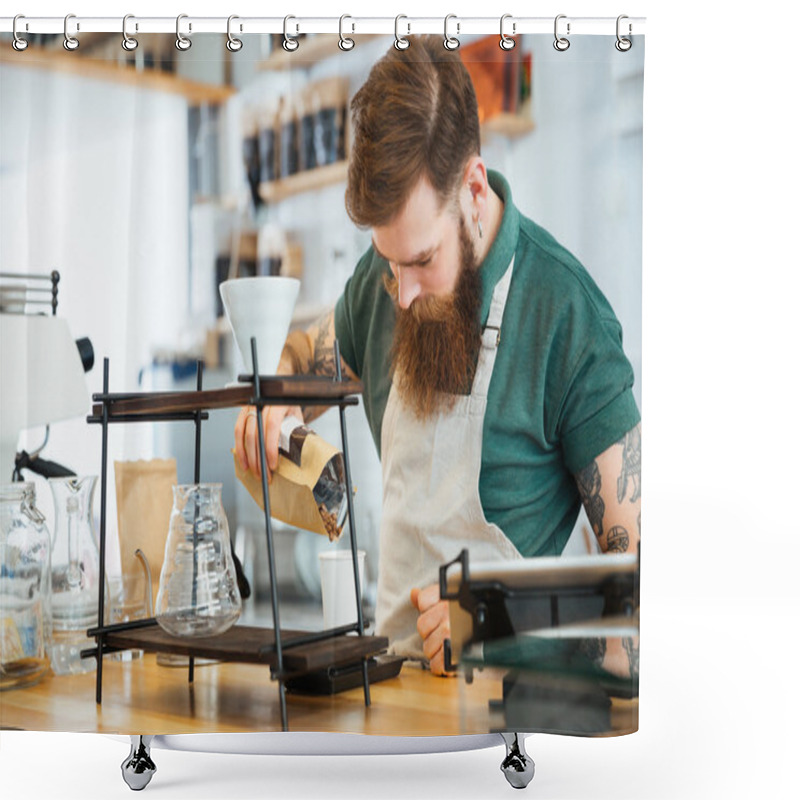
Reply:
x=437 y=339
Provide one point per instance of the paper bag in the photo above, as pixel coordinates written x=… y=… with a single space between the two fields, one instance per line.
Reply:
x=308 y=486
x=144 y=505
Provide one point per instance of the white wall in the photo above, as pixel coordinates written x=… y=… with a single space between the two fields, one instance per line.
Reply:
x=93 y=183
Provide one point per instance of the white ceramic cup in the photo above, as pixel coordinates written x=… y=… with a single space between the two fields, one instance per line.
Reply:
x=260 y=307
x=338 y=586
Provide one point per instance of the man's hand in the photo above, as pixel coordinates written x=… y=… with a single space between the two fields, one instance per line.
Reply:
x=246 y=436
x=433 y=625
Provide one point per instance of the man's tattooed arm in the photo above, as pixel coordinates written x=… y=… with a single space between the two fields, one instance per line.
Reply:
x=589 y=487
x=311 y=352
x=610 y=488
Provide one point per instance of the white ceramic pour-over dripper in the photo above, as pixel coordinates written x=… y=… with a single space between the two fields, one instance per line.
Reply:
x=260 y=307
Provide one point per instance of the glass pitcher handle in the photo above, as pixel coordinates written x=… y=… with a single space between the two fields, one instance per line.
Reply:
x=148 y=584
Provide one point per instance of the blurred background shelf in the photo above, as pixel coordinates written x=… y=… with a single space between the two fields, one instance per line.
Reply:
x=101 y=68
x=508 y=125
x=307 y=181
x=310 y=51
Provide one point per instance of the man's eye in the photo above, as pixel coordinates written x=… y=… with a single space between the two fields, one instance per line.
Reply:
x=425 y=262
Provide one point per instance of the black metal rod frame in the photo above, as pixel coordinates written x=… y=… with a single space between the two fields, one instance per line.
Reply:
x=105 y=419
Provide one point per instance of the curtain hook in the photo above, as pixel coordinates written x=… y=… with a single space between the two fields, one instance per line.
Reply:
x=506 y=42
x=233 y=44
x=70 y=42
x=400 y=42
x=623 y=44
x=19 y=44
x=128 y=42
x=451 y=42
x=345 y=43
x=290 y=43
x=182 y=42
x=561 y=43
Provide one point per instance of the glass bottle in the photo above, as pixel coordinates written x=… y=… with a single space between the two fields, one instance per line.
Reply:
x=76 y=574
x=25 y=605
x=198 y=594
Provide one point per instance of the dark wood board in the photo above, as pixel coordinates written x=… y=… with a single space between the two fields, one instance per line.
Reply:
x=292 y=390
x=247 y=644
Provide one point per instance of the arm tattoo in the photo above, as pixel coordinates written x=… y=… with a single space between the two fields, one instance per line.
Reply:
x=618 y=540
x=589 y=488
x=631 y=465
x=323 y=362
x=632 y=649
x=594 y=650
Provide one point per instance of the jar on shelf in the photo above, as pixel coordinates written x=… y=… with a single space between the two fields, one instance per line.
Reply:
x=329 y=104
x=308 y=105
x=250 y=155
x=25 y=585
x=198 y=594
x=267 y=144
x=289 y=139
x=76 y=574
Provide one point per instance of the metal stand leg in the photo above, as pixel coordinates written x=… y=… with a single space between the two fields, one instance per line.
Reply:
x=518 y=766
x=138 y=768
x=273 y=582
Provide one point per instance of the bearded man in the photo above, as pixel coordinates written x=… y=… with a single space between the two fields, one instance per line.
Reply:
x=495 y=383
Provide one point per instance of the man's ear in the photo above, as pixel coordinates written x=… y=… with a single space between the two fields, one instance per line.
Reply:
x=476 y=186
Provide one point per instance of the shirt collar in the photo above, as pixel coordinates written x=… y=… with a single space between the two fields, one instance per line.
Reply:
x=504 y=245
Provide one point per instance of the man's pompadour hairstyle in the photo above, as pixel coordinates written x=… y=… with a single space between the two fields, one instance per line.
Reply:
x=416 y=115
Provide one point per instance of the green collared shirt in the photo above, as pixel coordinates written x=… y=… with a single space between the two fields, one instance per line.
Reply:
x=561 y=390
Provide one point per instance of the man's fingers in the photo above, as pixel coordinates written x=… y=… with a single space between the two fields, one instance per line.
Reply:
x=272 y=434
x=435 y=641
x=432 y=619
x=427 y=597
x=238 y=438
x=251 y=442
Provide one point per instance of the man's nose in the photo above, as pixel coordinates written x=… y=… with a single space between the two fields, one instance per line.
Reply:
x=408 y=287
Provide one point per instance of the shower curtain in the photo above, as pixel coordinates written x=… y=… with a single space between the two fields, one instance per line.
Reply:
x=148 y=177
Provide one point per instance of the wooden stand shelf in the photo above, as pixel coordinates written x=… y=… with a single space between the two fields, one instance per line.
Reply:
x=293 y=655
x=290 y=390
x=246 y=644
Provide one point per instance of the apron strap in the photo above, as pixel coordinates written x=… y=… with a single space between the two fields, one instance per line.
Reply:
x=490 y=338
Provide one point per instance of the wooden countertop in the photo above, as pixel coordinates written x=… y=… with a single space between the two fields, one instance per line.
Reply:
x=141 y=696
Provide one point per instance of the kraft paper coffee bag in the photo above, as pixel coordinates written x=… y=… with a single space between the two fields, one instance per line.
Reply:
x=308 y=487
x=144 y=505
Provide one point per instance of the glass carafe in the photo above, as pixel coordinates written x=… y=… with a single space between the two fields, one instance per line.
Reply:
x=76 y=574
x=25 y=609
x=198 y=594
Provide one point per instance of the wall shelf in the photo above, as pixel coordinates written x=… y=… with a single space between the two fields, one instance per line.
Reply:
x=311 y=51
x=307 y=181
x=511 y=126
x=102 y=69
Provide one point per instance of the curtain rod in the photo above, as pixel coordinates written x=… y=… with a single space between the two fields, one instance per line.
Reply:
x=457 y=26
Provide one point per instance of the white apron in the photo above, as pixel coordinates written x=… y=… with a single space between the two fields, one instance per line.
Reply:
x=431 y=505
